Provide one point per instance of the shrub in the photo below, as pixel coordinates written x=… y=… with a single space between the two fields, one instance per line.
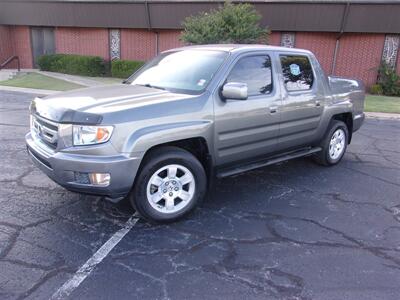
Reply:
x=232 y=23
x=389 y=80
x=376 y=89
x=124 y=68
x=72 y=64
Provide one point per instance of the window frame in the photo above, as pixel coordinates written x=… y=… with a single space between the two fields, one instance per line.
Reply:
x=314 y=83
x=253 y=54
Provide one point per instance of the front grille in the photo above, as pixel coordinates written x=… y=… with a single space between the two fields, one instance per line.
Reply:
x=45 y=130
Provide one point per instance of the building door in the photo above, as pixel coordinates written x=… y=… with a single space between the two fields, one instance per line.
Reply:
x=42 y=42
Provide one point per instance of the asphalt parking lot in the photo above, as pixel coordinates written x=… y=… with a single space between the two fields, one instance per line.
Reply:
x=291 y=231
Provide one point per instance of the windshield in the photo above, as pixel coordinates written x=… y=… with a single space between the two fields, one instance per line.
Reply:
x=186 y=71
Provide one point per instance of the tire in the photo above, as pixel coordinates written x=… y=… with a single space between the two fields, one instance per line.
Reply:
x=156 y=185
x=330 y=156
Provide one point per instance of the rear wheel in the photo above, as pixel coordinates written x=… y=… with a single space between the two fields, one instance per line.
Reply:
x=334 y=144
x=170 y=184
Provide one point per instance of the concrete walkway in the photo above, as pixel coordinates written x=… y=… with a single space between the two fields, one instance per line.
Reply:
x=27 y=90
x=81 y=80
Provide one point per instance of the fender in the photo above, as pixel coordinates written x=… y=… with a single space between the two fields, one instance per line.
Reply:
x=145 y=138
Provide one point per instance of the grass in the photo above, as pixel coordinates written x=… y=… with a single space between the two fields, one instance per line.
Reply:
x=374 y=103
x=39 y=81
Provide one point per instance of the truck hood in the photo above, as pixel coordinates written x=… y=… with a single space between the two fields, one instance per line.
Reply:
x=86 y=106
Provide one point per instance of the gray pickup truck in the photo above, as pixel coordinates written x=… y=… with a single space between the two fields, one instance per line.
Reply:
x=190 y=115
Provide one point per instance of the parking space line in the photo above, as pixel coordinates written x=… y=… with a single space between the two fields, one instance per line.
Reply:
x=68 y=287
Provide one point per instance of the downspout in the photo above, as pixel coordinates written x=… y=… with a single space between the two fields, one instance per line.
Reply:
x=342 y=25
x=149 y=26
x=157 y=42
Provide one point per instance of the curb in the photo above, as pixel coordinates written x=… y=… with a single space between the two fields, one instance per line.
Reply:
x=380 y=115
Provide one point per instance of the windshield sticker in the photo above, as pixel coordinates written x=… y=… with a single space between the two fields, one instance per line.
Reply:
x=295 y=69
x=201 y=82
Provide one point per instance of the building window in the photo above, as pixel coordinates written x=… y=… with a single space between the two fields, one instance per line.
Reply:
x=390 y=49
x=287 y=39
x=115 y=44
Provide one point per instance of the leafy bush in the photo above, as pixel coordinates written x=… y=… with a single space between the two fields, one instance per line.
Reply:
x=389 y=80
x=231 y=23
x=72 y=64
x=376 y=89
x=124 y=68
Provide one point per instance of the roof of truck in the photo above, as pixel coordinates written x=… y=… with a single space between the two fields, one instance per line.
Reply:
x=241 y=48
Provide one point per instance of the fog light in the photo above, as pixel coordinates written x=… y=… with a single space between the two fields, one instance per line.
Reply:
x=102 y=179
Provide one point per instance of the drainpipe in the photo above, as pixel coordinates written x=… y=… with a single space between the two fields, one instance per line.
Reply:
x=149 y=26
x=157 y=42
x=342 y=25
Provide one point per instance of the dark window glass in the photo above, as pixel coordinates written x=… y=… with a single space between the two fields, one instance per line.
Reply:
x=297 y=72
x=256 y=72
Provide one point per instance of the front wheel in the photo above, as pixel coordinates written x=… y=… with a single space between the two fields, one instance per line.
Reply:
x=170 y=184
x=333 y=145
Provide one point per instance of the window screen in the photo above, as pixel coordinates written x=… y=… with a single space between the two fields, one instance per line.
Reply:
x=255 y=71
x=297 y=72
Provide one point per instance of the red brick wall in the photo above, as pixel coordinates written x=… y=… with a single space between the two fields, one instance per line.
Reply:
x=84 y=41
x=274 y=38
x=321 y=44
x=6 y=44
x=21 y=37
x=359 y=56
x=137 y=44
x=169 y=39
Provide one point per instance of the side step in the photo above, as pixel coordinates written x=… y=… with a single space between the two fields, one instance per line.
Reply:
x=266 y=162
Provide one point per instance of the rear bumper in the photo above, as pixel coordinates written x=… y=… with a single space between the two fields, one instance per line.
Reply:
x=358 y=120
x=61 y=168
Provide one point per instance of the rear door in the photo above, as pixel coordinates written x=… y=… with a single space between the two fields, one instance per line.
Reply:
x=302 y=101
x=245 y=129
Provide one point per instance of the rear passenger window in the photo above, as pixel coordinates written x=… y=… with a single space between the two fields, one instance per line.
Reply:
x=297 y=72
x=256 y=72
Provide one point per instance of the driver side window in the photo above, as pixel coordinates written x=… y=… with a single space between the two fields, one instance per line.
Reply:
x=256 y=72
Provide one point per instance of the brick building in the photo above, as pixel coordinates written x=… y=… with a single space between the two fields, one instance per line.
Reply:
x=350 y=38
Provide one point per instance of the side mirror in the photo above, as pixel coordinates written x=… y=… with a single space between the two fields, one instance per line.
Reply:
x=234 y=90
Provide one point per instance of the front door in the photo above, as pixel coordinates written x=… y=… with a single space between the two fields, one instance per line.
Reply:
x=42 y=42
x=245 y=129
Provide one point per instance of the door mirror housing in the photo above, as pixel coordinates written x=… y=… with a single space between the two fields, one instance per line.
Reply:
x=234 y=90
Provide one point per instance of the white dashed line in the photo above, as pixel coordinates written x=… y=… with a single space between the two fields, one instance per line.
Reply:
x=68 y=287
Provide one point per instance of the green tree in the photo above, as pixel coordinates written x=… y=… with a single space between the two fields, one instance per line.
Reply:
x=231 y=23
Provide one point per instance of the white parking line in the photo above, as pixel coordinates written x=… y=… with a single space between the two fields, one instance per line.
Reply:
x=68 y=287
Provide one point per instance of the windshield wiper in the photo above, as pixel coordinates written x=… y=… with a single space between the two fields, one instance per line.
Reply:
x=152 y=86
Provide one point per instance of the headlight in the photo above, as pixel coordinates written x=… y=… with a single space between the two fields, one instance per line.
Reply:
x=89 y=135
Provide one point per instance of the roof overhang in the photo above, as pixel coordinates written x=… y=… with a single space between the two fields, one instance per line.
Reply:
x=326 y=16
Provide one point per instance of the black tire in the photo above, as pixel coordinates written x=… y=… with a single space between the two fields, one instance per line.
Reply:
x=323 y=157
x=156 y=160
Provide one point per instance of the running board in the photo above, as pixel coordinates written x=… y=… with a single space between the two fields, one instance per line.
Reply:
x=266 y=162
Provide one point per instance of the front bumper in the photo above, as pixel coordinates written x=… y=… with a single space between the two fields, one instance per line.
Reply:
x=61 y=168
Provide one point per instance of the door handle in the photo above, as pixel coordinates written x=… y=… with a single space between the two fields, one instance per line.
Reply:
x=273 y=109
x=317 y=103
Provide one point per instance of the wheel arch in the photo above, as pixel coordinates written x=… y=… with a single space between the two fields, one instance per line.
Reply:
x=346 y=118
